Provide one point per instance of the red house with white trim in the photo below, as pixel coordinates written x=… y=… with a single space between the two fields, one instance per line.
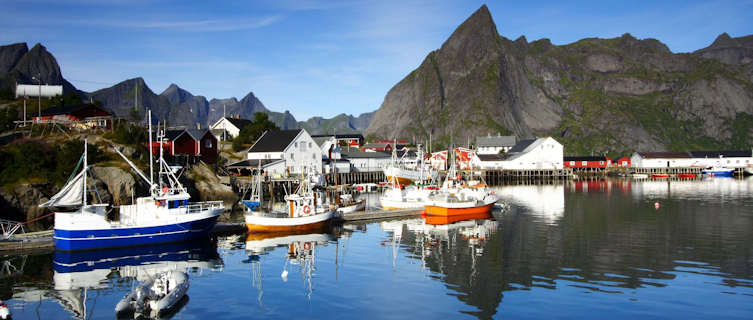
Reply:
x=194 y=143
x=622 y=161
x=586 y=162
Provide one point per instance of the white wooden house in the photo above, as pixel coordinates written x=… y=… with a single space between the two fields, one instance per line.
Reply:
x=531 y=154
x=295 y=148
x=231 y=127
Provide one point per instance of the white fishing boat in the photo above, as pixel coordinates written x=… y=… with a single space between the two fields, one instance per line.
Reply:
x=154 y=296
x=748 y=171
x=348 y=204
x=405 y=171
x=166 y=215
x=405 y=197
x=304 y=211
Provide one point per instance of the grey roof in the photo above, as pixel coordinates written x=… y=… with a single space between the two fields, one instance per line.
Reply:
x=717 y=154
x=376 y=145
x=274 y=141
x=361 y=154
x=496 y=141
x=197 y=134
x=491 y=157
x=522 y=145
x=239 y=123
x=320 y=140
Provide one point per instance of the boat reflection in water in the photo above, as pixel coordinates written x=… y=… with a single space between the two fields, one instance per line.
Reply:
x=431 y=233
x=300 y=257
x=75 y=273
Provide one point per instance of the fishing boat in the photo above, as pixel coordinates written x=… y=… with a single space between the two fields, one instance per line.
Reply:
x=718 y=172
x=686 y=175
x=404 y=173
x=166 y=215
x=459 y=197
x=348 y=204
x=748 y=171
x=659 y=176
x=405 y=197
x=154 y=296
x=303 y=212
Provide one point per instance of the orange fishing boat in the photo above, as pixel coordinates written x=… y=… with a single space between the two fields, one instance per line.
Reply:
x=459 y=208
x=686 y=175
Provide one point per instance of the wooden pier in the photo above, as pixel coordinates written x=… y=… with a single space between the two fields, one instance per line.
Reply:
x=497 y=177
x=382 y=214
x=666 y=170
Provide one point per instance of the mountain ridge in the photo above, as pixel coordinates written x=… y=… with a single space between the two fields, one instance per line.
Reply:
x=597 y=96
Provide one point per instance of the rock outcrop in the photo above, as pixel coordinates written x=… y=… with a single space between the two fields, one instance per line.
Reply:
x=21 y=203
x=596 y=96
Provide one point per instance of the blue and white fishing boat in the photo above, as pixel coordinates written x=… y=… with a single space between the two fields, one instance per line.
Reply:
x=718 y=172
x=166 y=215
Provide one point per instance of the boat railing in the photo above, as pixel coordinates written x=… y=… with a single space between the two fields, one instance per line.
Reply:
x=197 y=207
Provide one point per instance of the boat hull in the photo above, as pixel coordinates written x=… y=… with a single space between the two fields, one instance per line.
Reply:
x=400 y=180
x=446 y=211
x=75 y=240
x=255 y=223
x=721 y=173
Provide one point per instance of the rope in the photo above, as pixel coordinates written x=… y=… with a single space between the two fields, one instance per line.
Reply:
x=38 y=218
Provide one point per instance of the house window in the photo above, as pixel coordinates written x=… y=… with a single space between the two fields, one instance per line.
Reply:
x=313 y=156
x=572 y=163
x=208 y=143
x=584 y=163
x=292 y=156
x=601 y=162
x=295 y=145
x=309 y=144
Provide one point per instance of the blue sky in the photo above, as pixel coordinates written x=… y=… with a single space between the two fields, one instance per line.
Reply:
x=320 y=57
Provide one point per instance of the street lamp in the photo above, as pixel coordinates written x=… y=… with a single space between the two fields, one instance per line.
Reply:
x=39 y=109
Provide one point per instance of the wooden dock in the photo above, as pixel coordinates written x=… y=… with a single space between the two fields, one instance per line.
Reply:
x=381 y=214
x=28 y=241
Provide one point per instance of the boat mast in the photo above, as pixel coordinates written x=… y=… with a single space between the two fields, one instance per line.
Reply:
x=160 y=136
x=86 y=164
x=151 y=170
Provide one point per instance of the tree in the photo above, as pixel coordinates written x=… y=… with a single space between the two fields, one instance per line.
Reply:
x=250 y=133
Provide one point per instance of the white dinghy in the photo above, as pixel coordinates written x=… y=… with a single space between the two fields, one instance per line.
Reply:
x=155 y=296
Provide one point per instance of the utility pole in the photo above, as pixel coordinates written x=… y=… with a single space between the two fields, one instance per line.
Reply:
x=39 y=109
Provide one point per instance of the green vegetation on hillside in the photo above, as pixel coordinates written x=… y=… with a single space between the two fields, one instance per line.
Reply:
x=37 y=161
x=250 y=133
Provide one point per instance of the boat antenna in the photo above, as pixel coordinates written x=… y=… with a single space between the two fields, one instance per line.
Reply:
x=151 y=154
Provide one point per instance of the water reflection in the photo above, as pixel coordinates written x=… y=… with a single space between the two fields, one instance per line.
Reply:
x=593 y=239
x=79 y=279
x=545 y=201
x=300 y=258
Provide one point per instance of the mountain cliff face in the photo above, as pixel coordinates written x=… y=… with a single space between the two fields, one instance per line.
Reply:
x=595 y=96
x=18 y=64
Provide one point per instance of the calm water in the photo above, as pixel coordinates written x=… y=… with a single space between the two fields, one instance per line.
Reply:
x=590 y=250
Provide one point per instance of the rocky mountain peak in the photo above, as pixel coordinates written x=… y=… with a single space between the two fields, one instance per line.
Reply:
x=475 y=33
x=10 y=55
x=38 y=62
x=730 y=50
x=176 y=95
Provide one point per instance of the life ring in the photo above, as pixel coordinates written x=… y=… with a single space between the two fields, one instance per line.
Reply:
x=306 y=209
x=307 y=246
